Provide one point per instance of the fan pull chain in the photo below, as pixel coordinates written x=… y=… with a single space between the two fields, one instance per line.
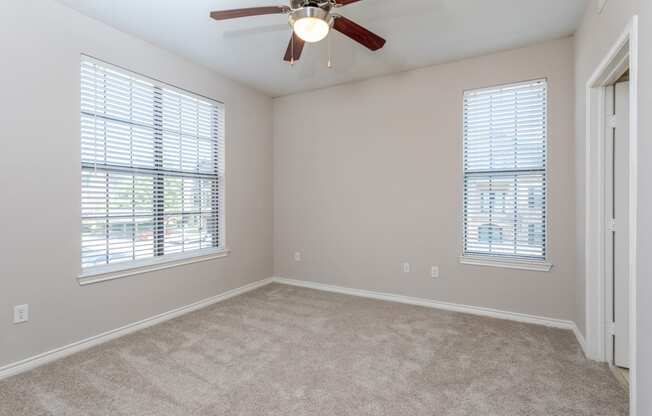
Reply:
x=330 y=63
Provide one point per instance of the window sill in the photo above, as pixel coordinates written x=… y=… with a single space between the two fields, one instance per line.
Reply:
x=532 y=265
x=118 y=271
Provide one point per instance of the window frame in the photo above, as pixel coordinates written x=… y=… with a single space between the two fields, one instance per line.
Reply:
x=505 y=261
x=94 y=274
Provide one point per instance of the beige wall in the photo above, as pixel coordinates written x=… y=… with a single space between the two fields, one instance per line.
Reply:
x=40 y=43
x=368 y=175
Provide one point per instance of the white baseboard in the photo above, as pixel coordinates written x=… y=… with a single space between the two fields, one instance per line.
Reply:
x=428 y=303
x=580 y=339
x=58 y=353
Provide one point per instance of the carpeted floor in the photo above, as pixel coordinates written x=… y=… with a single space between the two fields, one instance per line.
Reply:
x=282 y=350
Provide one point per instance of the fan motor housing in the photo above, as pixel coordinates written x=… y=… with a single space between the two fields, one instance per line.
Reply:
x=309 y=11
x=298 y=4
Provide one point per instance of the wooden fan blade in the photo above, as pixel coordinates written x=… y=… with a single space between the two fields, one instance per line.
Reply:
x=251 y=11
x=345 y=2
x=295 y=48
x=358 y=33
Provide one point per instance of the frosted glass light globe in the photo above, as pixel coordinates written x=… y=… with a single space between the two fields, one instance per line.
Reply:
x=311 y=29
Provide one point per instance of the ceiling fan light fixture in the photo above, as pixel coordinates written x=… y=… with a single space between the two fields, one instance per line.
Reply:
x=311 y=24
x=311 y=21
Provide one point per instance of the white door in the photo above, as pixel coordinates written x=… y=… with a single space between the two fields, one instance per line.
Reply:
x=618 y=213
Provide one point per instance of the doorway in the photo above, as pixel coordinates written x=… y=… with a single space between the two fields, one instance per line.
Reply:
x=602 y=266
x=617 y=213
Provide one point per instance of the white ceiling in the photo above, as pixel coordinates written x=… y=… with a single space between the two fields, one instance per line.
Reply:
x=418 y=32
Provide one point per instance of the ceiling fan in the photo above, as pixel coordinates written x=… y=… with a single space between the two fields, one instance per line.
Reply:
x=311 y=21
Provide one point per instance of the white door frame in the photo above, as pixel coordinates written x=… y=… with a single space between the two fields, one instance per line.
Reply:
x=622 y=55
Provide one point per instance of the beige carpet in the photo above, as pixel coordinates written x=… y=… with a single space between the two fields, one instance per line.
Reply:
x=283 y=350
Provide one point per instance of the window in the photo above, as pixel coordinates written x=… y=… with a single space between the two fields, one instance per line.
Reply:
x=152 y=168
x=505 y=173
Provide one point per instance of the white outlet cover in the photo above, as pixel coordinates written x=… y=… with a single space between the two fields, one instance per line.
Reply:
x=406 y=267
x=21 y=313
x=435 y=271
x=297 y=256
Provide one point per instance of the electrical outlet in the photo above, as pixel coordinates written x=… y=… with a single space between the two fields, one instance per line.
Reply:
x=434 y=271
x=21 y=313
x=406 y=267
x=297 y=256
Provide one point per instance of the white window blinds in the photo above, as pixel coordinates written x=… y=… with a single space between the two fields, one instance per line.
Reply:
x=152 y=169
x=505 y=171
